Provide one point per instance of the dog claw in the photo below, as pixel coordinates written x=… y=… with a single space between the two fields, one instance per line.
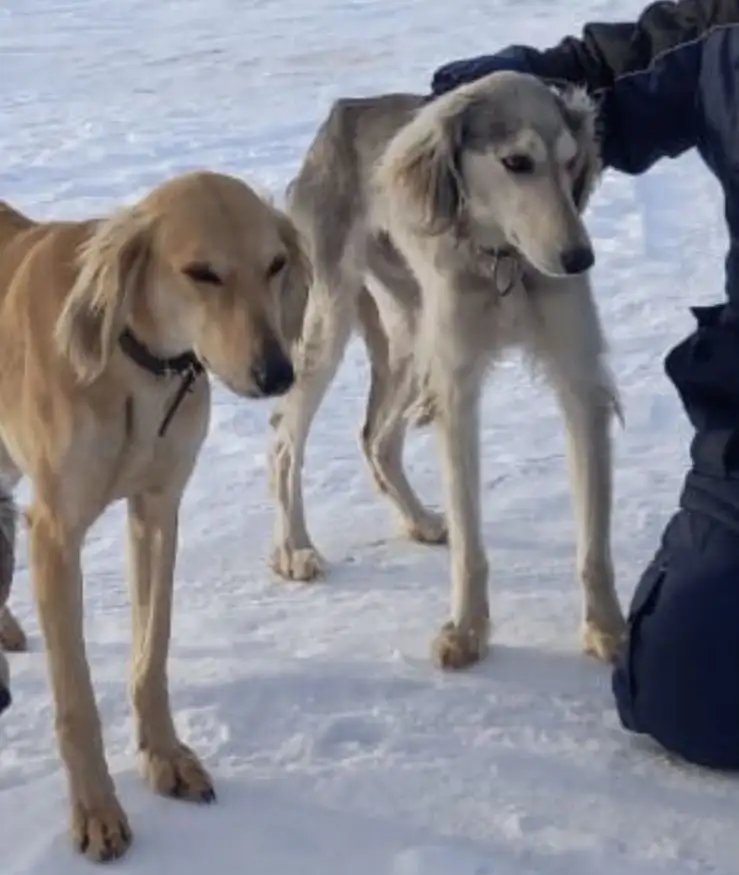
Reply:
x=304 y=564
x=102 y=834
x=603 y=643
x=429 y=529
x=180 y=775
x=455 y=648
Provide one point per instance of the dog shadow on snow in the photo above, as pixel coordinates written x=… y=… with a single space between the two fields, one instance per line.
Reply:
x=258 y=827
x=307 y=775
x=305 y=755
x=532 y=728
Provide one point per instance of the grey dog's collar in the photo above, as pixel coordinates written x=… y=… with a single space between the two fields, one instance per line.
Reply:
x=506 y=267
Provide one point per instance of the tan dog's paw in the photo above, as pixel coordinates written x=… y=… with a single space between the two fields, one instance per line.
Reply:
x=429 y=529
x=603 y=641
x=454 y=648
x=297 y=564
x=12 y=636
x=179 y=774
x=102 y=833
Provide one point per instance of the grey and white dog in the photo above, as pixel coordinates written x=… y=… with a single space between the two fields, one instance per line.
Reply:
x=447 y=232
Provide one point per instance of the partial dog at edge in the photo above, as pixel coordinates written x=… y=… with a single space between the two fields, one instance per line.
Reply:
x=10 y=631
x=449 y=231
x=107 y=330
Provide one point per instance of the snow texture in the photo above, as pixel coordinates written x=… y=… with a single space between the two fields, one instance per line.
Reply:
x=337 y=748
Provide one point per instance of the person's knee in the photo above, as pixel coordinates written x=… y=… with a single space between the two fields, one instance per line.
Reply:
x=675 y=679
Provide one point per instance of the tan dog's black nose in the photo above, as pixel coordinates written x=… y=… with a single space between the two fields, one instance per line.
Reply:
x=577 y=260
x=274 y=375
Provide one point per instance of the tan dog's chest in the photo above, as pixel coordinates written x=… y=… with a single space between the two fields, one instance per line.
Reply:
x=149 y=459
x=117 y=448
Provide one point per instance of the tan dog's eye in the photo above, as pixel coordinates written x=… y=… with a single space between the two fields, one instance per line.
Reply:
x=276 y=266
x=202 y=273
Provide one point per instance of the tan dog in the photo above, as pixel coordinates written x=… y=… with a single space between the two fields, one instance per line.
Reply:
x=104 y=325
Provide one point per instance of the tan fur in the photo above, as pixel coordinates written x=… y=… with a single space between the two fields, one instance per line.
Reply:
x=425 y=236
x=81 y=420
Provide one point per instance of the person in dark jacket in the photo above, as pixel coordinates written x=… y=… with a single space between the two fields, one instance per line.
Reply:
x=666 y=83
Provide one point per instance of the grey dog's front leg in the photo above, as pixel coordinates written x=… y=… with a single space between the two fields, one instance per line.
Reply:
x=569 y=338
x=588 y=411
x=454 y=375
x=464 y=639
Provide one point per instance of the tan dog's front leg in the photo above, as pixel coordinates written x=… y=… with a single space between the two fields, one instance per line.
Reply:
x=100 y=828
x=168 y=765
x=464 y=640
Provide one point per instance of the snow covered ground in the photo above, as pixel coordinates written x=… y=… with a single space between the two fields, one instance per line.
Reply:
x=337 y=748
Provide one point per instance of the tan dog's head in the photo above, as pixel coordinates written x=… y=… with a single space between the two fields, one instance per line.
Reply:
x=201 y=263
x=506 y=161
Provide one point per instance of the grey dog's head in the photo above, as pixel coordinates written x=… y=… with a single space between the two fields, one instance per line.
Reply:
x=507 y=161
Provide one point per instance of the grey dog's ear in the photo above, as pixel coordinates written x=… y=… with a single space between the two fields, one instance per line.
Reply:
x=421 y=166
x=580 y=114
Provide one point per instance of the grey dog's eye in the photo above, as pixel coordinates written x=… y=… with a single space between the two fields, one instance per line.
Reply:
x=202 y=273
x=518 y=163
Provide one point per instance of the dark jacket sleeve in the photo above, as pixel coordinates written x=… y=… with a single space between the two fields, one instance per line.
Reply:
x=644 y=73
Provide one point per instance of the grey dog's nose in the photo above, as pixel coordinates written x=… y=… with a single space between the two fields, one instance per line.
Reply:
x=5 y=698
x=577 y=260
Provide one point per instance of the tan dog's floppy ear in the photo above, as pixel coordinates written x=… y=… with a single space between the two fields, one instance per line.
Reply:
x=580 y=113
x=421 y=166
x=112 y=261
x=297 y=281
x=297 y=251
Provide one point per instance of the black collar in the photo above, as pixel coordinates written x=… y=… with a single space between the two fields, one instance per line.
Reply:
x=185 y=365
x=138 y=352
